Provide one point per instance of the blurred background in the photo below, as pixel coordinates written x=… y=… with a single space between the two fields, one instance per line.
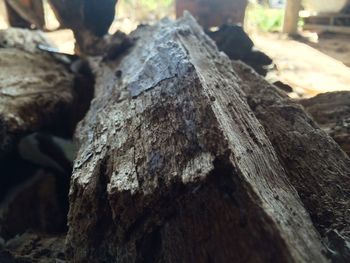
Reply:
x=309 y=44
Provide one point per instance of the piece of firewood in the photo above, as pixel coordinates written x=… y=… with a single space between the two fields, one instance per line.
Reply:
x=174 y=166
x=313 y=161
x=332 y=112
x=37 y=90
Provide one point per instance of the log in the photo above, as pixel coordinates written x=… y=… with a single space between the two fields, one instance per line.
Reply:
x=38 y=92
x=37 y=89
x=30 y=82
x=332 y=112
x=315 y=164
x=173 y=165
x=34 y=205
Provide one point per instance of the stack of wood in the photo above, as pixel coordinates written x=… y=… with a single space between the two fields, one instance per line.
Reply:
x=186 y=156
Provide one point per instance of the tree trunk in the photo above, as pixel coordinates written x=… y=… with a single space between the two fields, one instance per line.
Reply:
x=175 y=167
x=213 y=13
x=291 y=16
x=313 y=161
x=26 y=13
x=38 y=91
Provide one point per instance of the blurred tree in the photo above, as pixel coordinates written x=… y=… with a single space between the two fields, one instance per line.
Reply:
x=214 y=13
x=89 y=19
x=25 y=13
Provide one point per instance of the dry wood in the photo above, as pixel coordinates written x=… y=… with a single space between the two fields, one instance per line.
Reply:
x=332 y=112
x=37 y=90
x=174 y=166
x=314 y=162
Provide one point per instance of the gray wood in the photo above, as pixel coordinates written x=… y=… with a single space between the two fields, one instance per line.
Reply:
x=332 y=112
x=315 y=164
x=175 y=167
x=36 y=89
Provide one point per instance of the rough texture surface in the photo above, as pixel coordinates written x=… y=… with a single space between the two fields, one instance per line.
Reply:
x=36 y=90
x=38 y=93
x=174 y=166
x=332 y=112
x=314 y=162
x=34 y=248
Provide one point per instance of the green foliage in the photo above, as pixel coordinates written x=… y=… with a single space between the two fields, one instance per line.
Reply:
x=155 y=4
x=264 y=18
x=144 y=8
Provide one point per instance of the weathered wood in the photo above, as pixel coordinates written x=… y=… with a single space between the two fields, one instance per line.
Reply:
x=34 y=248
x=314 y=162
x=174 y=166
x=37 y=90
x=332 y=112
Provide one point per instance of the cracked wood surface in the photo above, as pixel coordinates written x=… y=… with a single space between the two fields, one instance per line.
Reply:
x=36 y=89
x=315 y=164
x=332 y=112
x=174 y=166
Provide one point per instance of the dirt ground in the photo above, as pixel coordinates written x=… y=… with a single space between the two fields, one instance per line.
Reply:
x=334 y=45
x=310 y=68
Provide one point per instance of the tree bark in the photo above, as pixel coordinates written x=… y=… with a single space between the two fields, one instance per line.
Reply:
x=174 y=166
x=313 y=161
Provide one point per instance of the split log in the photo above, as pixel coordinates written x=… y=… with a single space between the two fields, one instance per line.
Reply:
x=37 y=90
x=332 y=112
x=313 y=161
x=174 y=166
